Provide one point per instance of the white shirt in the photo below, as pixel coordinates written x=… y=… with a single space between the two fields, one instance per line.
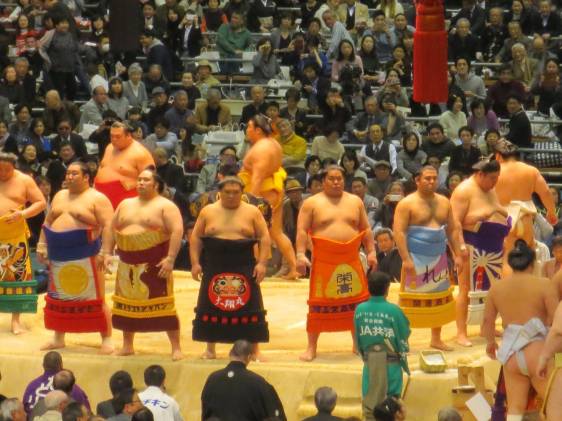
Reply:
x=162 y=406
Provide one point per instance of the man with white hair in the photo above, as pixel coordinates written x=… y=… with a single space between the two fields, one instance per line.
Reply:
x=325 y=400
x=55 y=402
x=337 y=32
x=12 y=410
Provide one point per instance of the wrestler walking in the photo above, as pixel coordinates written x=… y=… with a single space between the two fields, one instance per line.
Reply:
x=16 y=191
x=76 y=243
x=230 y=305
x=147 y=231
x=338 y=225
x=427 y=211
x=474 y=202
x=526 y=305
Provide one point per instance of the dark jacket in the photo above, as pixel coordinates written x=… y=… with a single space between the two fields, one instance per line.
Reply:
x=391 y=264
x=158 y=53
x=250 y=110
x=462 y=161
x=520 y=132
x=77 y=143
x=194 y=39
x=463 y=47
x=476 y=16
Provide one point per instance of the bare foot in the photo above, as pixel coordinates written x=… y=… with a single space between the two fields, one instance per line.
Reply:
x=463 y=341
x=291 y=276
x=17 y=328
x=125 y=351
x=106 y=347
x=52 y=345
x=441 y=346
x=208 y=355
x=177 y=355
x=308 y=356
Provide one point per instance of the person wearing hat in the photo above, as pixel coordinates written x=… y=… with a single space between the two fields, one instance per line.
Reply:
x=159 y=107
x=291 y=207
x=379 y=185
x=204 y=75
x=230 y=305
x=476 y=207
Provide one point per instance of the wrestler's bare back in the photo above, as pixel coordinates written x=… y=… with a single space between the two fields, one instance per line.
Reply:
x=134 y=215
x=230 y=224
x=521 y=297
x=14 y=193
x=432 y=213
x=517 y=181
x=124 y=164
x=482 y=206
x=337 y=219
x=268 y=153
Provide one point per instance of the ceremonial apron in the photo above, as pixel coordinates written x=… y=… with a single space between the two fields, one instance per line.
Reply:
x=18 y=292
x=143 y=301
x=115 y=191
x=485 y=247
x=74 y=302
x=337 y=284
x=427 y=298
x=274 y=182
x=230 y=305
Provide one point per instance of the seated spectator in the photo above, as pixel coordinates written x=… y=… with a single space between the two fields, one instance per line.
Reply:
x=385 y=40
x=401 y=64
x=393 y=87
x=178 y=114
x=93 y=109
x=262 y=17
x=391 y=409
x=311 y=55
x=462 y=43
x=291 y=207
x=519 y=126
x=315 y=87
x=266 y=66
x=55 y=401
x=346 y=57
x=152 y=21
x=36 y=138
x=208 y=176
x=368 y=54
x=482 y=118
x=355 y=15
x=157 y=53
x=119 y=381
x=358 y=128
x=524 y=68
x=350 y=164
x=75 y=411
x=334 y=111
x=101 y=136
x=393 y=121
x=385 y=213
x=293 y=113
x=28 y=162
x=171 y=173
x=272 y=111
x=126 y=404
x=377 y=149
x=331 y=5
x=232 y=39
x=442 y=169
x=154 y=397
x=162 y=138
x=437 y=143
x=143 y=414
x=516 y=36
x=188 y=85
x=411 y=158
x=11 y=409
x=371 y=203
x=294 y=146
x=454 y=118
x=475 y=14
x=466 y=154
x=472 y=85
x=19 y=129
x=325 y=399
x=539 y=51
x=337 y=32
x=26 y=79
x=312 y=166
x=116 y=100
x=213 y=17
x=57 y=110
x=388 y=256
x=547 y=87
x=65 y=134
x=308 y=10
x=314 y=185
x=504 y=88
x=328 y=146
x=134 y=89
x=281 y=38
x=449 y=414
x=549 y=24
x=212 y=114
x=487 y=144
x=453 y=179
x=159 y=107
x=56 y=172
x=155 y=78
x=257 y=106
x=379 y=185
x=494 y=35
x=523 y=15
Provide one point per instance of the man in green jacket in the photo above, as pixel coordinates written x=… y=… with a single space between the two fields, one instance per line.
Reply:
x=232 y=39
x=381 y=335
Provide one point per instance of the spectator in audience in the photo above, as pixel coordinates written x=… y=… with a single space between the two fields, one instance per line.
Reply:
x=482 y=118
x=379 y=185
x=57 y=168
x=330 y=5
x=337 y=32
x=552 y=266
x=350 y=163
x=393 y=88
x=190 y=38
x=385 y=213
x=178 y=114
x=101 y=135
x=454 y=118
x=437 y=143
x=524 y=68
x=393 y=122
x=449 y=414
x=281 y=39
x=505 y=87
x=474 y=14
x=547 y=86
x=188 y=85
x=368 y=54
x=465 y=155
x=462 y=43
x=155 y=78
x=472 y=85
x=388 y=256
x=257 y=106
x=401 y=63
x=262 y=17
x=64 y=381
x=65 y=134
x=163 y=406
x=55 y=401
x=293 y=113
x=411 y=158
x=371 y=203
x=232 y=39
x=212 y=115
x=493 y=35
x=294 y=146
x=116 y=100
x=205 y=78
x=152 y=21
x=75 y=411
x=237 y=393
x=391 y=409
x=12 y=410
x=346 y=57
x=143 y=414
x=325 y=399
x=525 y=17
x=358 y=128
x=291 y=207
x=454 y=178
x=93 y=109
x=9 y=86
x=385 y=39
x=118 y=382
x=39 y=140
x=5 y=111
x=134 y=88
x=334 y=111
x=311 y=54
x=328 y=146
x=520 y=133
x=157 y=53
x=26 y=79
x=126 y=404
x=266 y=66
x=213 y=17
x=355 y=15
x=171 y=173
x=314 y=185
x=208 y=175
x=549 y=24
x=538 y=51
x=315 y=87
x=488 y=144
x=308 y=10
x=162 y=138
x=377 y=149
x=516 y=36
x=160 y=106
x=57 y=110
x=28 y=162
x=19 y=129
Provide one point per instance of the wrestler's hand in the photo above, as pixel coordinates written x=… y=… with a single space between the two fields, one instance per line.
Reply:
x=302 y=263
x=372 y=260
x=166 y=266
x=542 y=367
x=491 y=350
x=459 y=262
x=551 y=218
x=107 y=259
x=196 y=272
x=259 y=272
x=42 y=255
x=15 y=215
x=409 y=267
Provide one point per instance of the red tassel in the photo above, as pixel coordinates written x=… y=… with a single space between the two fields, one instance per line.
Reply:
x=430 y=53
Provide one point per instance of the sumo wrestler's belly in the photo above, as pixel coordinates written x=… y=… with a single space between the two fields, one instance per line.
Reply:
x=75 y=220
x=127 y=175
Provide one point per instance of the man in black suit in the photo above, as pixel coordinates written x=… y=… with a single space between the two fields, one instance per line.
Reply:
x=257 y=106
x=325 y=400
x=547 y=23
x=520 y=132
x=190 y=36
x=388 y=257
x=474 y=13
x=65 y=134
x=152 y=21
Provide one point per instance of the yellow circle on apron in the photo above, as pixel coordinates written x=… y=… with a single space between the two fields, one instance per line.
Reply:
x=73 y=279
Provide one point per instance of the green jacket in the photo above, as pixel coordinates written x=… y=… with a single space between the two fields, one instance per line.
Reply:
x=228 y=41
